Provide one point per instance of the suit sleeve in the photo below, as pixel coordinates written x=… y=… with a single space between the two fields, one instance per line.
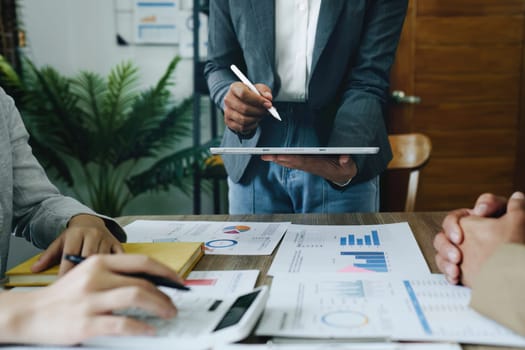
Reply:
x=223 y=50
x=498 y=290
x=40 y=212
x=362 y=105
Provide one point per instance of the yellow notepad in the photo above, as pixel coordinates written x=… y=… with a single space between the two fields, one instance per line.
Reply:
x=180 y=256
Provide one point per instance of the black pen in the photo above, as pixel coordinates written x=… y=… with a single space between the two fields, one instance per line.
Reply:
x=156 y=280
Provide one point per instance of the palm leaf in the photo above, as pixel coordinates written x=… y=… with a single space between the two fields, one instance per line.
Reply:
x=149 y=125
x=122 y=84
x=56 y=114
x=172 y=170
x=91 y=89
x=9 y=80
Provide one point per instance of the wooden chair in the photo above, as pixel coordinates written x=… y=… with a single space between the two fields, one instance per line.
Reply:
x=399 y=183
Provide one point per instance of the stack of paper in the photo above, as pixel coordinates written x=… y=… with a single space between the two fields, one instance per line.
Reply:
x=368 y=282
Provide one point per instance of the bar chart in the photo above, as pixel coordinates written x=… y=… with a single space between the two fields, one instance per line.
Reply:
x=366 y=262
x=369 y=240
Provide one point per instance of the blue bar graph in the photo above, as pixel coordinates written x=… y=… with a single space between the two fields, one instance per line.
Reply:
x=367 y=240
x=373 y=261
x=354 y=289
x=375 y=237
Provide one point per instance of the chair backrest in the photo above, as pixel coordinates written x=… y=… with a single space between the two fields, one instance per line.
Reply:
x=410 y=153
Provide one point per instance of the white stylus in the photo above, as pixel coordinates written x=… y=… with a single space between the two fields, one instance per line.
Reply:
x=245 y=80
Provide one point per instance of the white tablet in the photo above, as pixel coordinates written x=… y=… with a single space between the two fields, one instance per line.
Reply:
x=294 y=150
x=202 y=321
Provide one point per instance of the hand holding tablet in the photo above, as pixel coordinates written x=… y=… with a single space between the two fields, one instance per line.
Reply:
x=295 y=150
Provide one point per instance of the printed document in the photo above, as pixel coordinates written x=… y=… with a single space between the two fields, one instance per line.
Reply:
x=341 y=346
x=344 y=306
x=389 y=248
x=220 y=238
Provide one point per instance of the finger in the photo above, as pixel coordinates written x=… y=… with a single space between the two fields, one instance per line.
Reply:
x=110 y=325
x=446 y=249
x=116 y=248
x=73 y=242
x=233 y=102
x=265 y=91
x=105 y=247
x=451 y=271
x=246 y=95
x=269 y=157
x=239 y=122
x=489 y=205
x=151 y=301
x=451 y=225
x=344 y=160
x=91 y=242
x=132 y=263
x=50 y=257
x=516 y=202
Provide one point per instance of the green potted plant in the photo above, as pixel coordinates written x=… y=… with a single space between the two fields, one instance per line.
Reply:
x=108 y=141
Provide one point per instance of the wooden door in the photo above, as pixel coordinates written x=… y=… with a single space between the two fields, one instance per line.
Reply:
x=465 y=60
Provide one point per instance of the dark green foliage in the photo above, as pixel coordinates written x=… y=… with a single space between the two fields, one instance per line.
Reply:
x=103 y=137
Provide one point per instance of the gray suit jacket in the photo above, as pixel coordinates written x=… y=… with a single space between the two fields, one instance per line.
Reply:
x=354 y=49
x=30 y=206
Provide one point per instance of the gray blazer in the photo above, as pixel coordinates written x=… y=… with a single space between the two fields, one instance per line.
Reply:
x=355 y=46
x=30 y=206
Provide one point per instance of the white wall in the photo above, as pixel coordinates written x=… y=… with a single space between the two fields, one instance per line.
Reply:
x=72 y=35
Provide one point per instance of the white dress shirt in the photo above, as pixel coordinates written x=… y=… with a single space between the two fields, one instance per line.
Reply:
x=295 y=27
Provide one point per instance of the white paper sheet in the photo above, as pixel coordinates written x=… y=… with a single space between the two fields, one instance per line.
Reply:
x=343 y=306
x=217 y=283
x=220 y=238
x=389 y=248
x=342 y=346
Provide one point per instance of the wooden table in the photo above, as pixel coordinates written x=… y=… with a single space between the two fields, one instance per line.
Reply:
x=424 y=225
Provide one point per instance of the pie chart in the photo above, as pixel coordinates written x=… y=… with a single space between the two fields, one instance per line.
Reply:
x=236 y=229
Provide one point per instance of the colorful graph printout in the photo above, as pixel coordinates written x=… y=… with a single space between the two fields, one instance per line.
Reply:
x=389 y=248
x=219 y=237
x=373 y=307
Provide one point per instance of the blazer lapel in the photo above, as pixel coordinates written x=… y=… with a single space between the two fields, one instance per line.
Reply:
x=328 y=17
x=263 y=13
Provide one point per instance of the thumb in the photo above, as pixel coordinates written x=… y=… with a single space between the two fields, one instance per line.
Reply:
x=516 y=202
x=50 y=257
x=489 y=205
x=344 y=159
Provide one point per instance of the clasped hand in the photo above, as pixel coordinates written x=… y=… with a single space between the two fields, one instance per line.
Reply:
x=470 y=236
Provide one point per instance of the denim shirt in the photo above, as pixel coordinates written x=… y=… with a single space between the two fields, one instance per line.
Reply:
x=30 y=206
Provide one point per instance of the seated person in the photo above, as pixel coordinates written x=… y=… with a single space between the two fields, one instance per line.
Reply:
x=484 y=248
x=79 y=304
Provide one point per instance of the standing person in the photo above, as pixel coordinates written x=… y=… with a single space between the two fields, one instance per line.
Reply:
x=484 y=248
x=79 y=304
x=325 y=66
